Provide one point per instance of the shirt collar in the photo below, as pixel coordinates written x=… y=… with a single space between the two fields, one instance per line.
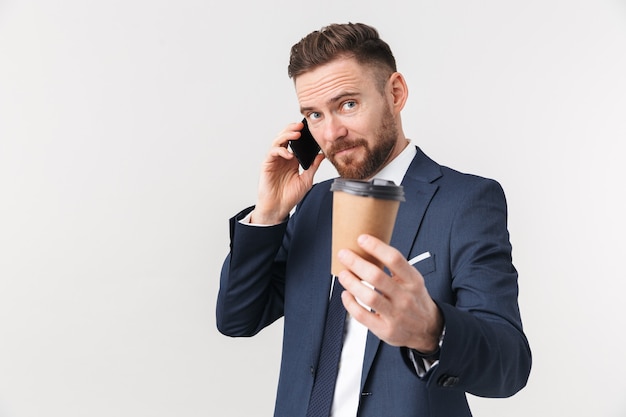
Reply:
x=395 y=170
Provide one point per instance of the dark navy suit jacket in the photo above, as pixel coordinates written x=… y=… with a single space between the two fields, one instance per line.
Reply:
x=283 y=271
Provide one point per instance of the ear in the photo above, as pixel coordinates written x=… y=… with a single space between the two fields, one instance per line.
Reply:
x=398 y=91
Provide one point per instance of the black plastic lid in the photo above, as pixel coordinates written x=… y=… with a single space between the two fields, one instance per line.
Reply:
x=377 y=188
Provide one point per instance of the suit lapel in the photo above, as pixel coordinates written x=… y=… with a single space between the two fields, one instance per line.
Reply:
x=410 y=214
x=418 y=192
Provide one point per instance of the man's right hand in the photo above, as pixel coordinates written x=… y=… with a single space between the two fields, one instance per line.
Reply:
x=281 y=184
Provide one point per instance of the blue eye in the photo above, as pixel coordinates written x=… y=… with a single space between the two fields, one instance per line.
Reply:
x=349 y=105
x=314 y=116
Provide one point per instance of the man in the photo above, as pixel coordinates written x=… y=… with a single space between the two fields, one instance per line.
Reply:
x=441 y=319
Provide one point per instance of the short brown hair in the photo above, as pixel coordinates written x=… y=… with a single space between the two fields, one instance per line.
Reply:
x=351 y=40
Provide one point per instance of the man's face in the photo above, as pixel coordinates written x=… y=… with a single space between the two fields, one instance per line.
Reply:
x=349 y=117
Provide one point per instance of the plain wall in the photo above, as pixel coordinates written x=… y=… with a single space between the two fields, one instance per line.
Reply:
x=130 y=131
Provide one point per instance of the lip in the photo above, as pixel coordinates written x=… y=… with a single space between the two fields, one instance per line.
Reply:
x=345 y=151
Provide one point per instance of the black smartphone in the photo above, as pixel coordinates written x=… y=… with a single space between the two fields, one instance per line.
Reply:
x=305 y=148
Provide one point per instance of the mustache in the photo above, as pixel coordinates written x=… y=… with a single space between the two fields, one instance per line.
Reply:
x=344 y=144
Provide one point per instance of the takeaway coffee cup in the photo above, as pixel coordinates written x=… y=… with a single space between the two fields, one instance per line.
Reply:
x=362 y=207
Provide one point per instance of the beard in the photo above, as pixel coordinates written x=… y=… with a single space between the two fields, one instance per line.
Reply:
x=375 y=156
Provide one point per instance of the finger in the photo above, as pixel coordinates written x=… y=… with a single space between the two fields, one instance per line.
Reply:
x=362 y=268
x=282 y=152
x=361 y=290
x=291 y=132
x=318 y=160
x=388 y=256
x=370 y=273
x=308 y=174
x=372 y=318
x=361 y=313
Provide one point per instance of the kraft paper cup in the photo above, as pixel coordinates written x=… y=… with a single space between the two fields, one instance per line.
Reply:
x=362 y=207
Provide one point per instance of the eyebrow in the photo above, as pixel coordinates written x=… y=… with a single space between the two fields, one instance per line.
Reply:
x=332 y=100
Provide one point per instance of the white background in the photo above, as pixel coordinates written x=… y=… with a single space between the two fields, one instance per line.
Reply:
x=130 y=131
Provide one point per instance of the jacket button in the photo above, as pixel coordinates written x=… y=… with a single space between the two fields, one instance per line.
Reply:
x=447 y=381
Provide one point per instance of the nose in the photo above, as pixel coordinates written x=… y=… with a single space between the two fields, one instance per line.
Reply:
x=333 y=129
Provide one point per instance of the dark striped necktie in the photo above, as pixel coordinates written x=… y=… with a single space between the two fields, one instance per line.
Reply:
x=328 y=364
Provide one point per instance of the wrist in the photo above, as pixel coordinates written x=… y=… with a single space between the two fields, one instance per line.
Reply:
x=266 y=217
x=433 y=354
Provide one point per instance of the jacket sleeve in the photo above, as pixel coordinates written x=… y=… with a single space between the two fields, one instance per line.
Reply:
x=251 y=294
x=485 y=351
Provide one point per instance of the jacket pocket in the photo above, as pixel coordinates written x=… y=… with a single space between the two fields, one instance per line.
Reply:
x=426 y=264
